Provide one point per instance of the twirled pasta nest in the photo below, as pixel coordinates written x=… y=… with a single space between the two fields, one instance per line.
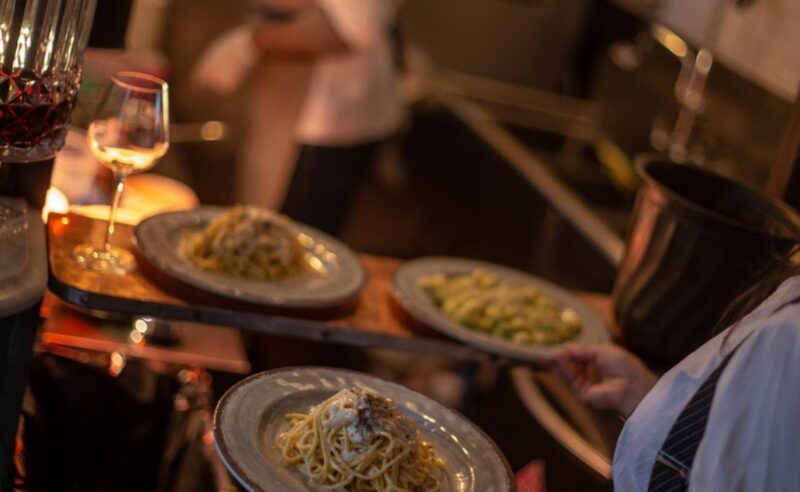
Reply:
x=247 y=242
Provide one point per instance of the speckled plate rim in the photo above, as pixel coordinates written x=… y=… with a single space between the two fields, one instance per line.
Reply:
x=415 y=301
x=170 y=263
x=250 y=483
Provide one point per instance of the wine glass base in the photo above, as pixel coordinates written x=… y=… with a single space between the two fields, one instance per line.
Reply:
x=115 y=260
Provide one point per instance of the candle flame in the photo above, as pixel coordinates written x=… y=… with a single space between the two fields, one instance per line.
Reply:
x=55 y=201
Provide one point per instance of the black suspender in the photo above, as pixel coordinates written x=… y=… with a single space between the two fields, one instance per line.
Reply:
x=671 y=471
x=673 y=464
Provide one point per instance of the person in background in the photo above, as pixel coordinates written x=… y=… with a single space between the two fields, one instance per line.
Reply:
x=724 y=418
x=351 y=104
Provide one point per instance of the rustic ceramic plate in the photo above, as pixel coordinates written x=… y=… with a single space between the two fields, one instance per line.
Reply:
x=338 y=278
x=251 y=414
x=408 y=293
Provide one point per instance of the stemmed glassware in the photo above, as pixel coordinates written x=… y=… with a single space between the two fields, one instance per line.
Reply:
x=129 y=134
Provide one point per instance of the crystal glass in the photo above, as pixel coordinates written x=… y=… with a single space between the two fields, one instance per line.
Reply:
x=128 y=135
x=41 y=49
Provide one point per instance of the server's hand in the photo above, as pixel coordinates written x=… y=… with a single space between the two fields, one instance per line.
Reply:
x=605 y=376
x=226 y=63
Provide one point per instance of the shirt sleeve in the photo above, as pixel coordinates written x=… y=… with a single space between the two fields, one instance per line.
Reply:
x=360 y=23
x=751 y=442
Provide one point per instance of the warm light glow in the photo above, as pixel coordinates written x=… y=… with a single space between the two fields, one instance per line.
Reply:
x=670 y=41
x=116 y=364
x=212 y=130
x=23 y=46
x=305 y=240
x=145 y=195
x=136 y=337
x=48 y=54
x=141 y=325
x=55 y=201
x=4 y=38
x=704 y=61
x=315 y=263
x=100 y=212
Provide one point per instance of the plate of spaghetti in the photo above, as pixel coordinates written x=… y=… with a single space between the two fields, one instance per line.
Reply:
x=251 y=255
x=319 y=429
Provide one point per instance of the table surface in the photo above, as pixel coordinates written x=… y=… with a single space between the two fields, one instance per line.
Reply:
x=372 y=320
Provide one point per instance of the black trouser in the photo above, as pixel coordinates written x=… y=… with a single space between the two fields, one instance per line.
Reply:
x=324 y=183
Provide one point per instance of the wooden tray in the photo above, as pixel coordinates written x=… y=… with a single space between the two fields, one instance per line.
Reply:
x=372 y=320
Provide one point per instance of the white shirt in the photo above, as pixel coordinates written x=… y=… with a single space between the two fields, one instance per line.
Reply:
x=751 y=442
x=352 y=96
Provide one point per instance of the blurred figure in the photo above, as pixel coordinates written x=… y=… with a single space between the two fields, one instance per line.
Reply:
x=339 y=118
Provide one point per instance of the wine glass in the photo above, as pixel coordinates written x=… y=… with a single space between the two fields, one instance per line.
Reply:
x=129 y=134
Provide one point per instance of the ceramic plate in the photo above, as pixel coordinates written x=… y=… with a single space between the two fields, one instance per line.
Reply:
x=339 y=279
x=251 y=414
x=406 y=290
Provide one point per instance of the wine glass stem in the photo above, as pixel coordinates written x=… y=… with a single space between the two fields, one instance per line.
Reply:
x=119 y=185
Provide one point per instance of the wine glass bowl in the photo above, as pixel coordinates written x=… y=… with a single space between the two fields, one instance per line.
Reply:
x=128 y=135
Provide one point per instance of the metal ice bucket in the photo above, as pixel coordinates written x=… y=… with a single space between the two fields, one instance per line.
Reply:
x=695 y=242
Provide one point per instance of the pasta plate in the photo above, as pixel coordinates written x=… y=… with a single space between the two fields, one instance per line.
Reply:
x=250 y=415
x=411 y=296
x=336 y=277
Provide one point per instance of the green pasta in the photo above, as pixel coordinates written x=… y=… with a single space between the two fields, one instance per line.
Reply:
x=482 y=301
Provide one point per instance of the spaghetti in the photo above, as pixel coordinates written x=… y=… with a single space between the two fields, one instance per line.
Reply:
x=356 y=441
x=246 y=242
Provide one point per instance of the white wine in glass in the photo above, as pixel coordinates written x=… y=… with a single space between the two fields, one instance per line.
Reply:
x=128 y=135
